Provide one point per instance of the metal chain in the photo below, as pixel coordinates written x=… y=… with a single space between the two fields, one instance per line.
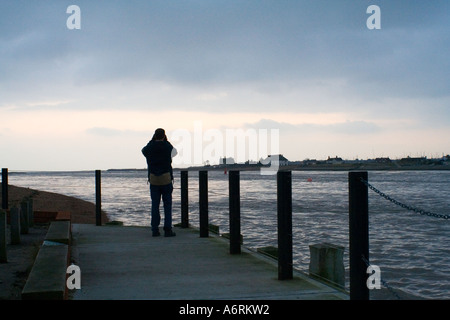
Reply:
x=392 y=291
x=405 y=206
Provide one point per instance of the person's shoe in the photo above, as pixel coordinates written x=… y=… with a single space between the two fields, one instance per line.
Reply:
x=169 y=233
x=156 y=233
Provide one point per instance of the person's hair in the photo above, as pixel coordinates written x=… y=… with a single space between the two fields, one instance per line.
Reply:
x=159 y=134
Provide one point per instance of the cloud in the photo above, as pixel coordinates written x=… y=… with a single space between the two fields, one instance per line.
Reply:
x=212 y=96
x=224 y=43
x=353 y=127
x=111 y=132
x=346 y=128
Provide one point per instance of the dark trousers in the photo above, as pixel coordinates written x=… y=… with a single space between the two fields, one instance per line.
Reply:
x=156 y=193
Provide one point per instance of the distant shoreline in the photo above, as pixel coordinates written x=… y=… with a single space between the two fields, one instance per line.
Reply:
x=244 y=167
x=318 y=167
x=334 y=167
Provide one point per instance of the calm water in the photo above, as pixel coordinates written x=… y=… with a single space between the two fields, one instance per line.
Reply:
x=413 y=251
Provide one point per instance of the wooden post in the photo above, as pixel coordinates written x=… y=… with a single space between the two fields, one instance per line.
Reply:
x=284 y=208
x=235 y=212
x=24 y=217
x=5 y=188
x=359 y=235
x=203 y=203
x=98 y=198
x=30 y=212
x=14 y=216
x=184 y=200
x=3 y=256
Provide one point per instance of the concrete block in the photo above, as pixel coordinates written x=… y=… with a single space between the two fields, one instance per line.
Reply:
x=47 y=279
x=327 y=263
x=270 y=251
x=213 y=228
x=44 y=216
x=63 y=216
x=227 y=236
x=59 y=231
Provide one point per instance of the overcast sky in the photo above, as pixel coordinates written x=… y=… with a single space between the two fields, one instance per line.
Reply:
x=92 y=98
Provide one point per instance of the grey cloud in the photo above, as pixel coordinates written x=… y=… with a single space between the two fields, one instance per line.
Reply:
x=348 y=127
x=208 y=44
x=353 y=127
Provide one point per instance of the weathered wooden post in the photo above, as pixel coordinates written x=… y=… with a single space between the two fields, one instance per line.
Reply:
x=203 y=203
x=184 y=200
x=284 y=208
x=30 y=212
x=14 y=218
x=235 y=212
x=24 y=217
x=3 y=255
x=359 y=235
x=5 y=188
x=98 y=198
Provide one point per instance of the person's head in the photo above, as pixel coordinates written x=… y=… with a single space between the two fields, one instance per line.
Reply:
x=160 y=134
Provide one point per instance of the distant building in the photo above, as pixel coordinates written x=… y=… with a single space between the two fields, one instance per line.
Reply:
x=413 y=160
x=277 y=159
x=308 y=162
x=335 y=160
x=383 y=160
x=224 y=161
x=446 y=160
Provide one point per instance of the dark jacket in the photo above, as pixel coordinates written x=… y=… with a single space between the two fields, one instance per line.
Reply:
x=159 y=157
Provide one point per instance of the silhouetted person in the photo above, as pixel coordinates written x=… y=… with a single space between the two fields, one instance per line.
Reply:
x=159 y=153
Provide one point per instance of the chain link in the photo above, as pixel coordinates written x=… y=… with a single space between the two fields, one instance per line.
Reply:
x=405 y=206
x=392 y=291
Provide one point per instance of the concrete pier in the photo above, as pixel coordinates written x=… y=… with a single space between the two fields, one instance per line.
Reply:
x=126 y=263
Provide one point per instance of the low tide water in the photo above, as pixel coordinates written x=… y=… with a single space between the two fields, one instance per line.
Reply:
x=412 y=250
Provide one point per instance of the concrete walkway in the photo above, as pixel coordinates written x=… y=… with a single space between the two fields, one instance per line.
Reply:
x=127 y=263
